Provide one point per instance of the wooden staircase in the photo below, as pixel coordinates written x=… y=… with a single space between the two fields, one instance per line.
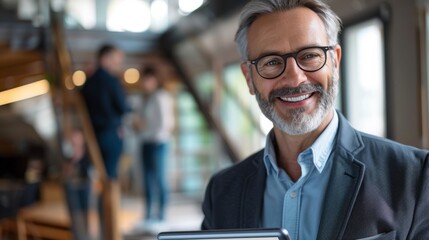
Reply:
x=22 y=61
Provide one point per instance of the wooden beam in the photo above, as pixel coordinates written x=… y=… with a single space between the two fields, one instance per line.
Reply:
x=4 y=46
x=11 y=58
x=36 y=230
x=36 y=67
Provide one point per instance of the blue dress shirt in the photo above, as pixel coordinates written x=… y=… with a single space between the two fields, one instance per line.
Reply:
x=297 y=206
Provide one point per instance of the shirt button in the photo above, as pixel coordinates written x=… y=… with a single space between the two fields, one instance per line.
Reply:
x=292 y=194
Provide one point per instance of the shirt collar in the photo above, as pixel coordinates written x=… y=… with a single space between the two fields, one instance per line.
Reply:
x=324 y=144
x=270 y=155
x=321 y=148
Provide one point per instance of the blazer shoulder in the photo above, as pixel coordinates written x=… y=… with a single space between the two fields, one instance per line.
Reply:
x=395 y=150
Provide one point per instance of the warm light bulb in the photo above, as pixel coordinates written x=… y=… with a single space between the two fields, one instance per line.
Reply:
x=131 y=75
x=79 y=78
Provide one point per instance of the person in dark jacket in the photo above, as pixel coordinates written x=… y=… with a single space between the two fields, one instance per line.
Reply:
x=106 y=104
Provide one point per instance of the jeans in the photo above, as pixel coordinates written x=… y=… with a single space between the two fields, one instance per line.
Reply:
x=78 y=197
x=111 y=146
x=154 y=178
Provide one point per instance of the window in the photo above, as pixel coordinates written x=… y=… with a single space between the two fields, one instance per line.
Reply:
x=120 y=15
x=364 y=90
x=240 y=114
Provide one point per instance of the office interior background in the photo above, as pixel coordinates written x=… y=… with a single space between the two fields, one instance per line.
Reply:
x=47 y=51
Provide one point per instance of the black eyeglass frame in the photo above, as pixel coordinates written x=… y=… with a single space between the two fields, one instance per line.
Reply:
x=294 y=55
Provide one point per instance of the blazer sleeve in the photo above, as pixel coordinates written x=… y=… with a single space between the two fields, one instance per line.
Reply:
x=420 y=225
x=207 y=208
x=234 y=196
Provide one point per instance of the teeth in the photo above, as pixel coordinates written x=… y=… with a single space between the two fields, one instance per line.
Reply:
x=295 y=99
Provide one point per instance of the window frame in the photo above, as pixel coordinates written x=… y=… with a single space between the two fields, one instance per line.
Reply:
x=383 y=14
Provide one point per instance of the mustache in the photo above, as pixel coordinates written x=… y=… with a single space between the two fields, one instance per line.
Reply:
x=286 y=91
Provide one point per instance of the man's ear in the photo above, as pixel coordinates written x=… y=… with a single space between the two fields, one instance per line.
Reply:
x=337 y=50
x=337 y=60
x=246 y=72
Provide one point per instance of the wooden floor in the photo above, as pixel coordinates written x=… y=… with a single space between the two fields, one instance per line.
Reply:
x=181 y=215
x=50 y=217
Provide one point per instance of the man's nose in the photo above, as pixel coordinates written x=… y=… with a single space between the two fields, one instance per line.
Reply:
x=293 y=76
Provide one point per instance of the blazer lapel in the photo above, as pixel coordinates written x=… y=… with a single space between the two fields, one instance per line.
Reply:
x=343 y=188
x=344 y=183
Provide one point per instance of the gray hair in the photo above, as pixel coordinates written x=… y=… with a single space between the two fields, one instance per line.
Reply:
x=256 y=8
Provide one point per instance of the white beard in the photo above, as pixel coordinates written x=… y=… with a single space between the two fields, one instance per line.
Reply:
x=301 y=122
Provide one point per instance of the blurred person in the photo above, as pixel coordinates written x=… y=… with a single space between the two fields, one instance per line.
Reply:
x=77 y=182
x=154 y=124
x=317 y=176
x=106 y=104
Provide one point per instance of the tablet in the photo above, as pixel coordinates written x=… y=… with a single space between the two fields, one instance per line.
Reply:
x=231 y=234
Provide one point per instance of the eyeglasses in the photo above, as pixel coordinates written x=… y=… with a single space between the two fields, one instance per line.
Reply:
x=309 y=59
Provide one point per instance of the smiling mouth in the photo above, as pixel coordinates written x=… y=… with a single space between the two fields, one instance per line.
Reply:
x=296 y=98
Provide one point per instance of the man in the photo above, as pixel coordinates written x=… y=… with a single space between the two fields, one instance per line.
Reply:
x=106 y=103
x=317 y=177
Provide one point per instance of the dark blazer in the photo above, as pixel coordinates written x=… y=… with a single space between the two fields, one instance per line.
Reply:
x=378 y=188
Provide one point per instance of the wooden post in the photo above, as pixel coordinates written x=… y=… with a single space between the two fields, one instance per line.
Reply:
x=110 y=193
x=20 y=228
x=110 y=200
x=110 y=189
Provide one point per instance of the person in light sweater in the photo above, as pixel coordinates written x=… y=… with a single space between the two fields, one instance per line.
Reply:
x=154 y=124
